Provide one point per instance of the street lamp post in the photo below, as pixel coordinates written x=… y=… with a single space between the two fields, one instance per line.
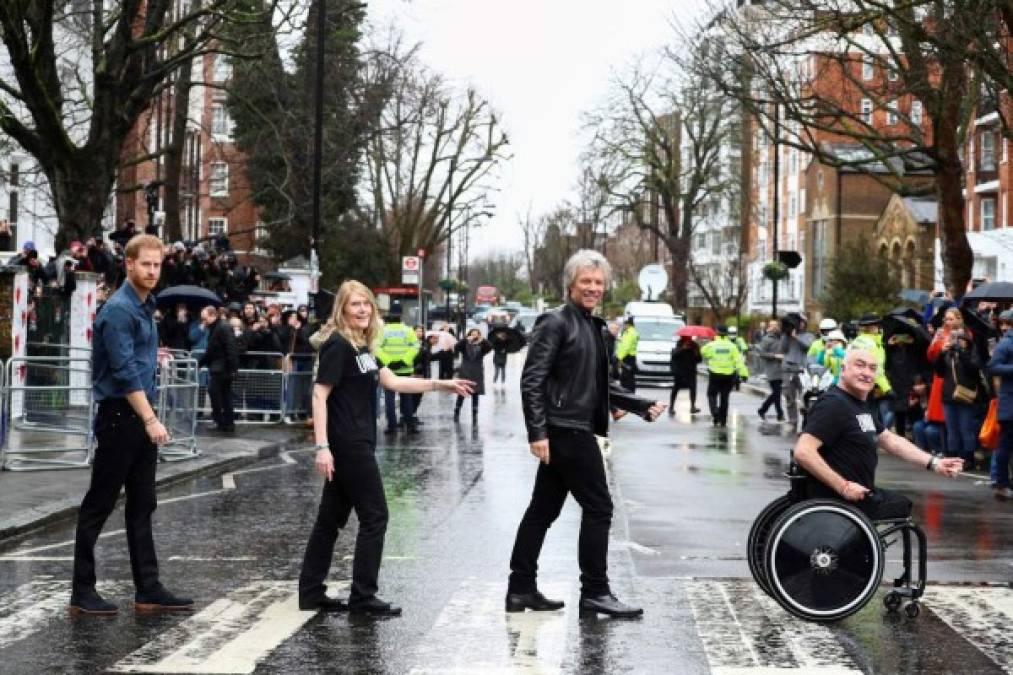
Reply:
x=318 y=135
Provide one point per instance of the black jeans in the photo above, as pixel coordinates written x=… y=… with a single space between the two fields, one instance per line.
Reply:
x=124 y=458
x=357 y=485
x=576 y=466
x=628 y=374
x=683 y=383
x=774 y=399
x=879 y=504
x=222 y=406
x=719 y=388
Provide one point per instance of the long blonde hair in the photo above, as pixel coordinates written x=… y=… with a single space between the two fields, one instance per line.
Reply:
x=337 y=322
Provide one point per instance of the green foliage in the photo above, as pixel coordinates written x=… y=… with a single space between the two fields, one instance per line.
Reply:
x=860 y=283
x=273 y=112
x=626 y=291
x=352 y=250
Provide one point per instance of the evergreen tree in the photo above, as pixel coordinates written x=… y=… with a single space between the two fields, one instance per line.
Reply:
x=860 y=283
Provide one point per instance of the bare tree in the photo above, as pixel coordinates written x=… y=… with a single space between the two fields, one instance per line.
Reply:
x=76 y=76
x=432 y=164
x=533 y=232
x=826 y=72
x=657 y=145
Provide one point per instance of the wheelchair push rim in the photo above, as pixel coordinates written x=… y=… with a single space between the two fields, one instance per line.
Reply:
x=759 y=533
x=824 y=560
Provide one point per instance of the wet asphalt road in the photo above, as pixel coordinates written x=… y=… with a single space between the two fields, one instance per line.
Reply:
x=685 y=497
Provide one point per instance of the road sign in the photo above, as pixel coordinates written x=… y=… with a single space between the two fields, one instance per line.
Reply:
x=410 y=270
x=653 y=280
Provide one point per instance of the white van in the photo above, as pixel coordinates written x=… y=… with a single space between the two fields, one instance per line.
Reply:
x=657 y=324
x=639 y=308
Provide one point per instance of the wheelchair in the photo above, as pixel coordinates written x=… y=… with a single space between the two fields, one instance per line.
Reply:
x=823 y=559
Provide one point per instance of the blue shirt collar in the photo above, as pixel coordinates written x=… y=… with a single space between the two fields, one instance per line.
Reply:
x=148 y=303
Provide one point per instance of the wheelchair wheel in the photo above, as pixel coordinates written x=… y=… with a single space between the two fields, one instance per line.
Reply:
x=824 y=560
x=757 y=541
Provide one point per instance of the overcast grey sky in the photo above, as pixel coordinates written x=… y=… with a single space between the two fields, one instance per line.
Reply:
x=541 y=63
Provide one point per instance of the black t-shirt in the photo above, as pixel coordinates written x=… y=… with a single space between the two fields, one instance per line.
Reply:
x=848 y=429
x=351 y=406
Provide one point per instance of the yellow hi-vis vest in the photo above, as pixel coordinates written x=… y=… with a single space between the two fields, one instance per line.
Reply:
x=399 y=345
x=724 y=358
x=628 y=342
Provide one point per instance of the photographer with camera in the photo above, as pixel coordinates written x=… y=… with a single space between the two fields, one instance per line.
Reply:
x=964 y=394
x=795 y=342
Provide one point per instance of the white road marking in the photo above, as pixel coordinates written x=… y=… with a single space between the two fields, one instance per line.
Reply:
x=473 y=634
x=637 y=548
x=198 y=558
x=746 y=633
x=231 y=635
x=228 y=484
x=982 y=615
x=28 y=608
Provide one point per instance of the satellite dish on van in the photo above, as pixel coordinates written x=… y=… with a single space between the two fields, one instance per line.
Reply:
x=653 y=280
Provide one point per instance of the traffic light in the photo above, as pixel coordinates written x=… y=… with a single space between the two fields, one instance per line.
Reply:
x=791 y=259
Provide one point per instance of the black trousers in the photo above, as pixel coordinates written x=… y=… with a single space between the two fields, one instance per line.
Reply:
x=124 y=458
x=222 y=406
x=628 y=373
x=719 y=388
x=575 y=467
x=356 y=485
x=474 y=403
x=880 y=504
x=680 y=384
x=498 y=373
x=774 y=399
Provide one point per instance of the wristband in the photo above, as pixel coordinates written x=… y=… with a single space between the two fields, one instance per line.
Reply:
x=322 y=446
x=151 y=420
x=932 y=463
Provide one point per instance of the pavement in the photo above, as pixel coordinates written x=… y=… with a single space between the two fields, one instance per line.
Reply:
x=685 y=495
x=33 y=499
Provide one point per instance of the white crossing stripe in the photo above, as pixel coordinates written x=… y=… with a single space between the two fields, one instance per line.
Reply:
x=231 y=635
x=28 y=608
x=982 y=615
x=745 y=632
x=521 y=642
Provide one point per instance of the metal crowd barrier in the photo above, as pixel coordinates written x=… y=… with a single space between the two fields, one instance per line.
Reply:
x=178 y=396
x=258 y=393
x=298 y=385
x=47 y=413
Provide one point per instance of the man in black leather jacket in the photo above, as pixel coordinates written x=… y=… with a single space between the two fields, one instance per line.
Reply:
x=566 y=395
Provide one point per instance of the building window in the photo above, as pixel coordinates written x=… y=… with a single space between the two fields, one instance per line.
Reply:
x=867 y=70
x=217 y=226
x=867 y=111
x=1005 y=149
x=892 y=74
x=716 y=243
x=221 y=125
x=701 y=242
x=986 y=159
x=223 y=68
x=891 y=113
x=987 y=214
x=218 y=181
x=916 y=112
x=820 y=258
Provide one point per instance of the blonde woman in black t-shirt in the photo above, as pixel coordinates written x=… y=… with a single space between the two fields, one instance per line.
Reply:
x=344 y=424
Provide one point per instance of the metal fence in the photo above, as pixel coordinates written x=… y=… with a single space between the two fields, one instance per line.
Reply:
x=47 y=413
x=258 y=390
x=298 y=385
x=178 y=396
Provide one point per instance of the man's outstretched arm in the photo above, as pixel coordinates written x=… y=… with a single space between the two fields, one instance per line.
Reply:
x=909 y=452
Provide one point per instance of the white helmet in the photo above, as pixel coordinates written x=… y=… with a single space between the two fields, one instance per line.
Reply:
x=828 y=324
x=837 y=335
x=732 y=330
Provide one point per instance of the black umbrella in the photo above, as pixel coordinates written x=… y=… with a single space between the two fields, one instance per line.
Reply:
x=515 y=339
x=900 y=324
x=192 y=296
x=279 y=276
x=996 y=291
x=906 y=312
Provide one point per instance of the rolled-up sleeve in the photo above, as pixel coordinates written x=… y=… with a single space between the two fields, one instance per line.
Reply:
x=117 y=338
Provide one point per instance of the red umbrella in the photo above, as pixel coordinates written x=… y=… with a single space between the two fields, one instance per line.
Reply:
x=696 y=332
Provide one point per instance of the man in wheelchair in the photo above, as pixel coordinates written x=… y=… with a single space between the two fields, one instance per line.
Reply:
x=837 y=447
x=819 y=550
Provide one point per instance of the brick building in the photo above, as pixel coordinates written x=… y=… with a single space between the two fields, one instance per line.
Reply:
x=215 y=196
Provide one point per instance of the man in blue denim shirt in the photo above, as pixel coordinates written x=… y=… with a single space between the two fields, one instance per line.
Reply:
x=125 y=349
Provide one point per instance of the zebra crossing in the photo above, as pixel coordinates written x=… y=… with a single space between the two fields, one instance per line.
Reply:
x=739 y=630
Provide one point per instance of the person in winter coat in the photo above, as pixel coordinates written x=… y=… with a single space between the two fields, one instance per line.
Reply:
x=953 y=320
x=1001 y=366
x=903 y=361
x=222 y=361
x=684 y=359
x=958 y=364
x=499 y=358
x=472 y=350
x=445 y=357
x=769 y=351
x=174 y=330
x=423 y=365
